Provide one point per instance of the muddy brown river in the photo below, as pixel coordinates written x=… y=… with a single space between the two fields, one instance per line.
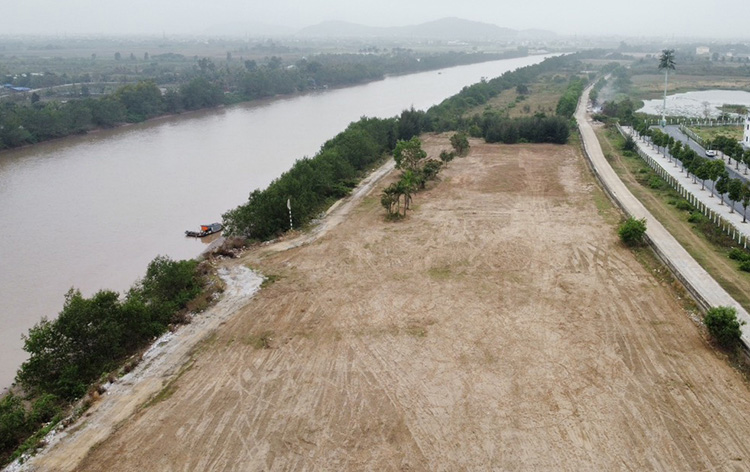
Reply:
x=91 y=211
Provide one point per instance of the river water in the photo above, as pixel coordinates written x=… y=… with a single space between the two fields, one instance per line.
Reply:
x=91 y=211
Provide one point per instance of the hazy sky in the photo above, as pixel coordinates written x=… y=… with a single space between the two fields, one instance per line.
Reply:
x=724 y=18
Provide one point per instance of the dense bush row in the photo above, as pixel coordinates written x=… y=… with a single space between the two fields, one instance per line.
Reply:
x=314 y=183
x=21 y=125
x=90 y=337
x=18 y=422
x=416 y=170
x=209 y=86
x=451 y=113
x=497 y=128
x=567 y=104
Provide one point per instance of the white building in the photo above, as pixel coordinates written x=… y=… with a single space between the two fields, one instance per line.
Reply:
x=746 y=132
x=702 y=51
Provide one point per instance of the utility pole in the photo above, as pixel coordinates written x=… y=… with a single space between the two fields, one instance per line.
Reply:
x=289 y=206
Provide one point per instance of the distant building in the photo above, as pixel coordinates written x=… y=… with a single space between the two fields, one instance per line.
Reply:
x=702 y=51
x=746 y=134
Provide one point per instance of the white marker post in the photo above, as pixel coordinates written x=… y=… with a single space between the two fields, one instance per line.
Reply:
x=289 y=206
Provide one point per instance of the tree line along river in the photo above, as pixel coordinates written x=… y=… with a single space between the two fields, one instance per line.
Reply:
x=91 y=211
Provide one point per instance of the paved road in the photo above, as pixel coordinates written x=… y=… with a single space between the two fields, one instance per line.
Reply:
x=674 y=131
x=704 y=288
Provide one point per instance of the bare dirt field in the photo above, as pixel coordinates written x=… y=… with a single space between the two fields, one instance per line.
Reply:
x=500 y=326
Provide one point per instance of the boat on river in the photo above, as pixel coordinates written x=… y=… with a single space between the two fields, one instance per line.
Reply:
x=205 y=230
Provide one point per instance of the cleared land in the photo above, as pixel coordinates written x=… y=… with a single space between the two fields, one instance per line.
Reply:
x=501 y=326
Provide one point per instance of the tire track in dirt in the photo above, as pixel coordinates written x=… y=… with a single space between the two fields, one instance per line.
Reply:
x=500 y=326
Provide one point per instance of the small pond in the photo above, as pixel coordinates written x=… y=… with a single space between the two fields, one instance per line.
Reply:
x=699 y=104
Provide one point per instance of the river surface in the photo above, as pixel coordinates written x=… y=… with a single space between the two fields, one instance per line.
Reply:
x=91 y=211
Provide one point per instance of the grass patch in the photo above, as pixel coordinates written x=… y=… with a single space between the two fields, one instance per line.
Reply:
x=544 y=93
x=708 y=133
x=439 y=273
x=168 y=390
x=260 y=341
x=270 y=279
x=369 y=203
x=416 y=331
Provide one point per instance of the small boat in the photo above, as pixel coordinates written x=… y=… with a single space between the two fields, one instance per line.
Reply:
x=205 y=230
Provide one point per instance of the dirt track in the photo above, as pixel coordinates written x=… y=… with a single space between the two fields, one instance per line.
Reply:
x=501 y=326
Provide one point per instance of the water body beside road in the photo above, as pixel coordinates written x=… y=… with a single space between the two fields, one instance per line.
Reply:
x=91 y=211
x=697 y=104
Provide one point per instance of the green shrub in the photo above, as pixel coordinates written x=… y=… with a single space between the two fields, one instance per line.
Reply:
x=44 y=409
x=696 y=217
x=631 y=231
x=656 y=183
x=629 y=144
x=684 y=205
x=738 y=254
x=723 y=326
x=745 y=266
x=92 y=335
x=13 y=425
x=446 y=156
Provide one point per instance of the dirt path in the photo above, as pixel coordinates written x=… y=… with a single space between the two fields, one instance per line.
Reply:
x=337 y=213
x=501 y=326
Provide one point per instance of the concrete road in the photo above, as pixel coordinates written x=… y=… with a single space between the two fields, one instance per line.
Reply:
x=674 y=131
x=698 y=282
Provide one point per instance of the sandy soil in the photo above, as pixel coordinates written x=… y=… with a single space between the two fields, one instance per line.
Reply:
x=501 y=326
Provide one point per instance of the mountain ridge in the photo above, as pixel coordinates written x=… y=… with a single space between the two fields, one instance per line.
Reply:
x=450 y=28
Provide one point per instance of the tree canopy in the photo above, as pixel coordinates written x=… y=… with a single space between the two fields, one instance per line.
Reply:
x=666 y=60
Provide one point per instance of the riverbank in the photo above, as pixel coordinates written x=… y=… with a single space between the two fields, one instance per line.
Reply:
x=174 y=352
x=146 y=105
x=501 y=313
x=127 y=195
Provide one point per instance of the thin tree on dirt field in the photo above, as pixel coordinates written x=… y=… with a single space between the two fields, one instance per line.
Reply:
x=408 y=185
x=391 y=199
x=446 y=156
x=460 y=143
x=666 y=62
x=408 y=154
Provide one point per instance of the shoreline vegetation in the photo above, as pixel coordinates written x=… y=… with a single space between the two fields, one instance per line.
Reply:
x=210 y=87
x=313 y=184
x=95 y=339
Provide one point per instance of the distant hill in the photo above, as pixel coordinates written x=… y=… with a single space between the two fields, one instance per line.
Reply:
x=248 y=28
x=456 y=28
x=444 y=29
